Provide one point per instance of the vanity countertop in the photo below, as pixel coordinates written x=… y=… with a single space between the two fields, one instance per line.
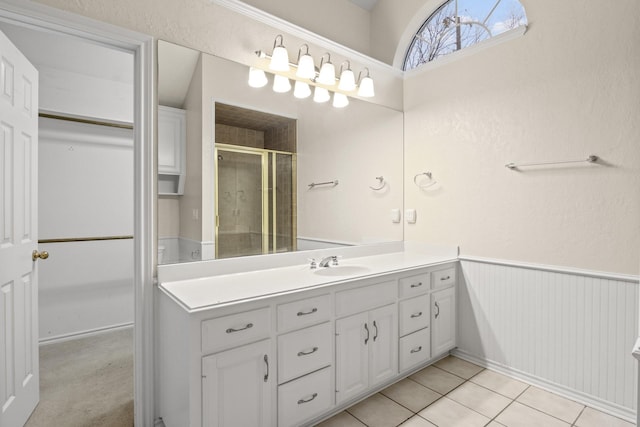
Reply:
x=209 y=292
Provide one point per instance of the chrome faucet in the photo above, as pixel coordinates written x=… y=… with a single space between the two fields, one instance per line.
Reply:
x=333 y=259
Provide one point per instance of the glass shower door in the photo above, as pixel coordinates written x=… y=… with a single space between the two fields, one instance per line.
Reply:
x=240 y=203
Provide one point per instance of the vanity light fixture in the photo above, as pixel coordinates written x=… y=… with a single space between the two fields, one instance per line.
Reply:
x=305 y=74
x=340 y=100
x=327 y=74
x=301 y=90
x=280 y=56
x=347 y=78
x=281 y=84
x=306 y=65
x=257 y=77
x=321 y=95
x=365 y=85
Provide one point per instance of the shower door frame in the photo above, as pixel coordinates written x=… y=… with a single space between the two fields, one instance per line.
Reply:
x=264 y=153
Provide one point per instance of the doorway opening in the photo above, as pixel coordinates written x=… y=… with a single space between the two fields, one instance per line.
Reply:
x=85 y=223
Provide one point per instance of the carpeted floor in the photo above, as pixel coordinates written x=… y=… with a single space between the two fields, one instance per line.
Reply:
x=86 y=382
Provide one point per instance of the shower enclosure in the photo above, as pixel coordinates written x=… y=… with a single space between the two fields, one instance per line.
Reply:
x=255 y=201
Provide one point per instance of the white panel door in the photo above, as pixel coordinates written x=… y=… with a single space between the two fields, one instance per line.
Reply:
x=443 y=321
x=237 y=387
x=19 y=378
x=352 y=356
x=383 y=352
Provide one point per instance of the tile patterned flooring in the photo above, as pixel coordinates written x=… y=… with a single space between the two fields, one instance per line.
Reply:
x=456 y=393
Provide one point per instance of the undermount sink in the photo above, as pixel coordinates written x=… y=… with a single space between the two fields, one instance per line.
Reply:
x=341 y=270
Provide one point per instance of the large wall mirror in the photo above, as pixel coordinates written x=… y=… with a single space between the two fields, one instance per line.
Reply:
x=237 y=165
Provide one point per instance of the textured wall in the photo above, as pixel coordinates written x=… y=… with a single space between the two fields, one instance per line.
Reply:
x=202 y=25
x=567 y=89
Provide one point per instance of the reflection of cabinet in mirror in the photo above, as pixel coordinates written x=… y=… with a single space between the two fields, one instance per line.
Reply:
x=171 y=150
x=255 y=187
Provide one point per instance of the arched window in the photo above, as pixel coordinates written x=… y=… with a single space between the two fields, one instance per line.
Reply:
x=462 y=23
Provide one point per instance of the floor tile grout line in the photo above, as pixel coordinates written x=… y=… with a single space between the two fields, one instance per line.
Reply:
x=579 y=415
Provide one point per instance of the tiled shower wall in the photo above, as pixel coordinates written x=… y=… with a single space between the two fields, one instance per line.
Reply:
x=572 y=333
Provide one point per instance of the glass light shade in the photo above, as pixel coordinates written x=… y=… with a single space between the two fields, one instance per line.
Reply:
x=340 y=100
x=347 y=81
x=366 y=88
x=320 y=94
x=281 y=84
x=327 y=74
x=257 y=77
x=306 y=67
x=301 y=90
x=279 y=59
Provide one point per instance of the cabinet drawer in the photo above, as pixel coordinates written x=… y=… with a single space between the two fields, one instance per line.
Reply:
x=304 y=398
x=415 y=349
x=414 y=285
x=414 y=314
x=230 y=331
x=442 y=278
x=306 y=312
x=304 y=351
x=365 y=298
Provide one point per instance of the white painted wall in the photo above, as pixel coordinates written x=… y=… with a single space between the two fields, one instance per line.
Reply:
x=216 y=30
x=567 y=89
x=338 y=20
x=85 y=176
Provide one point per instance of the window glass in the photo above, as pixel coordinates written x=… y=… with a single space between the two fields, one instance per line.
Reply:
x=461 y=23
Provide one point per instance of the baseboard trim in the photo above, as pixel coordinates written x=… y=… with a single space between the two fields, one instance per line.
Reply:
x=84 y=334
x=586 y=399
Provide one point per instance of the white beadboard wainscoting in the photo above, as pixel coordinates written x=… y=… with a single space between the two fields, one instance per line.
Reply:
x=568 y=331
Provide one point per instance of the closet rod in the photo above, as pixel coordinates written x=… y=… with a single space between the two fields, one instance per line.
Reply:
x=84 y=239
x=86 y=121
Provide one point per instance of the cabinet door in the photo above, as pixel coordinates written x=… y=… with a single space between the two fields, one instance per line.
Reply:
x=171 y=140
x=352 y=357
x=237 y=387
x=383 y=351
x=443 y=321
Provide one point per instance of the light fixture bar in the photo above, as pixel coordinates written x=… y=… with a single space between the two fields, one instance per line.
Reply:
x=305 y=74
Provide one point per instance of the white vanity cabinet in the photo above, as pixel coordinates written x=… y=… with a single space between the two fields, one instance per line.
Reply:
x=366 y=342
x=236 y=387
x=366 y=351
x=172 y=140
x=443 y=311
x=293 y=358
x=305 y=359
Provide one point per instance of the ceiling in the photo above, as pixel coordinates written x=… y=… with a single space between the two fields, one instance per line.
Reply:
x=365 y=4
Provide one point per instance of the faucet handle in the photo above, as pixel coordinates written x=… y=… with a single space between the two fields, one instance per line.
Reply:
x=314 y=264
x=334 y=259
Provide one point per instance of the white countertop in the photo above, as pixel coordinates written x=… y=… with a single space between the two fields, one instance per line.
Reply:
x=208 y=292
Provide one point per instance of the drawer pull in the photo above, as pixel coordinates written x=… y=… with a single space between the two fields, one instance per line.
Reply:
x=418 y=314
x=445 y=278
x=416 y=350
x=231 y=330
x=306 y=353
x=416 y=285
x=304 y=313
x=313 y=396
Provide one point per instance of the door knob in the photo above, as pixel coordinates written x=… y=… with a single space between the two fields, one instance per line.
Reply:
x=42 y=255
